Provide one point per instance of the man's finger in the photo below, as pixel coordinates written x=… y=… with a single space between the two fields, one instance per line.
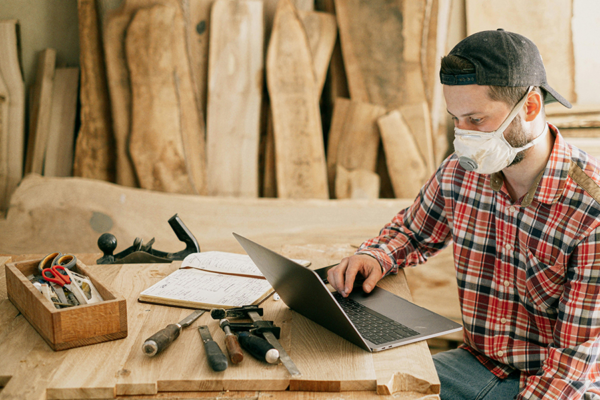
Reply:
x=354 y=266
x=372 y=279
x=335 y=275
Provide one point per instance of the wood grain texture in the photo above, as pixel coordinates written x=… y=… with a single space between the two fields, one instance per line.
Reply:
x=408 y=170
x=353 y=138
x=40 y=113
x=418 y=119
x=95 y=148
x=300 y=154
x=156 y=141
x=383 y=72
x=551 y=32
x=235 y=88
x=119 y=87
x=358 y=184
x=4 y=104
x=321 y=29
x=14 y=124
x=61 y=133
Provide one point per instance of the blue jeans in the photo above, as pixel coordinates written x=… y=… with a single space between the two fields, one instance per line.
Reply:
x=462 y=377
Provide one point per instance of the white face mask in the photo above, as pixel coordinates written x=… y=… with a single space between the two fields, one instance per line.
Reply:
x=489 y=152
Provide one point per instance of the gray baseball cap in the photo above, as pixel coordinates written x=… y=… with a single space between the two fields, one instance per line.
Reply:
x=502 y=58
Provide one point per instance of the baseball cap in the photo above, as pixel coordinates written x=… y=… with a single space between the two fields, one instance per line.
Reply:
x=502 y=58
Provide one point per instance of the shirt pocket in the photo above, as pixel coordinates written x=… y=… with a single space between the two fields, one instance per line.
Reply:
x=543 y=284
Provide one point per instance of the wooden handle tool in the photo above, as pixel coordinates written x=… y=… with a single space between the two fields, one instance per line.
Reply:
x=214 y=354
x=163 y=338
x=259 y=348
x=231 y=342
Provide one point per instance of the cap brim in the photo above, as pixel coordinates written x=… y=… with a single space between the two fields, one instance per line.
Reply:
x=552 y=96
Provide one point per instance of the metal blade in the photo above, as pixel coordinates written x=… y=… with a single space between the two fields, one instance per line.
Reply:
x=187 y=321
x=283 y=356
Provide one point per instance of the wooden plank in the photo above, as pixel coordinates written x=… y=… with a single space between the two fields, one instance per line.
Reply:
x=358 y=184
x=300 y=154
x=418 y=119
x=551 y=32
x=408 y=170
x=119 y=87
x=4 y=104
x=14 y=125
x=382 y=72
x=58 y=160
x=199 y=37
x=321 y=29
x=235 y=87
x=95 y=148
x=40 y=114
x=157 y=127
x=353 y=137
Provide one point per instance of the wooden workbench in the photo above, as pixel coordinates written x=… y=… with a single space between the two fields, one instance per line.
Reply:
x=30 y=369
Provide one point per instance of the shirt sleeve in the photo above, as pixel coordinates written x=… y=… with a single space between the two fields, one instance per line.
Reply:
x=572 y=360
x=415 y=233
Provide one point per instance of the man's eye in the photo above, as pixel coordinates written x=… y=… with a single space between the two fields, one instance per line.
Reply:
x=476 y=120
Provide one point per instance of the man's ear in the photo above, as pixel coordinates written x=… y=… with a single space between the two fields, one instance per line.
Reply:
x=533 y=106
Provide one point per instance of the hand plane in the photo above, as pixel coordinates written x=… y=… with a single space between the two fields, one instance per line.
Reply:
x=141 y=253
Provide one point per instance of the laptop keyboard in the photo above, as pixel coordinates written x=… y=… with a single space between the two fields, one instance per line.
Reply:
x=373 y=326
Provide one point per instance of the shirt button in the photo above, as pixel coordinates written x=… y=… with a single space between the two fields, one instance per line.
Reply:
x=503 y=320
x=506 y=283
x=508 y=247
x=512 y=209
x=500 y=353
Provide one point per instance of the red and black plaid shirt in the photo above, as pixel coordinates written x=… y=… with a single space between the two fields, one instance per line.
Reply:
x=528 y=272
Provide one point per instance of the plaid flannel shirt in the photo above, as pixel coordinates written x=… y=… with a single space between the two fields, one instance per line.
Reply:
x=528 y=272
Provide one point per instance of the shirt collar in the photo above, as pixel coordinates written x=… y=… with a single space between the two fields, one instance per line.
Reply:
x=550 y=183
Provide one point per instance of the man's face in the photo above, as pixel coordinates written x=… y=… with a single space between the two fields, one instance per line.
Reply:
x=471 y=108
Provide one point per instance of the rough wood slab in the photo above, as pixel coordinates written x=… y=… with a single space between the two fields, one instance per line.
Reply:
x=300 y=154
x=156 y=143
x=59 y=150
x=40 y=113
x=235 y=88
x=383 y=72
x=95 y=148
x=4 y=104
x=356 y=184
x=353 y=138
x=551 y=32
x=408 y=170
x=321 y=29
x=119 y=87
x=10 y=70
x=418 y=119
x=198 y=37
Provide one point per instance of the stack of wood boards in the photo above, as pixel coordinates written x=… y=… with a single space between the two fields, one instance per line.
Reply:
x=579 y=125
x=235 y=97
x=53 y=106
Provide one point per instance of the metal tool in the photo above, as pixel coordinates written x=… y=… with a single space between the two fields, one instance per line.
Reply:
x=163 y=338
x=141 y=253
x=255 y=313
x=231 y=343
x=258 y=347
x=57 y=274
x=214 y=354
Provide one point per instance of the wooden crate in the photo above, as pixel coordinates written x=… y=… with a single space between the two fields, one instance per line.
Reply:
x=68 y=327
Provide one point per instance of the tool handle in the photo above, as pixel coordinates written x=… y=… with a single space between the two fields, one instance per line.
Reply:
x=233 y=348
x=258 y=348
x=161 y=340
x=216 y=358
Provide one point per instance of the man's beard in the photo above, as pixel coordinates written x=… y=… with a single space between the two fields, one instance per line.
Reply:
x=517 y=137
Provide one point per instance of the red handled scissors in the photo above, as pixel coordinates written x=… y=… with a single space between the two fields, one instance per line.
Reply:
x=57 y=274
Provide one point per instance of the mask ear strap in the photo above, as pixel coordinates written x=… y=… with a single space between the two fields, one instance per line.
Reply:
x=513 y=113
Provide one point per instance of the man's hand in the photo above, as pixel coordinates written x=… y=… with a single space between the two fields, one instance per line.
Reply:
x=342 y=276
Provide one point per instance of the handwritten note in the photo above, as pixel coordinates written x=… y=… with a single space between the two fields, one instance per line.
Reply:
x=206 y=289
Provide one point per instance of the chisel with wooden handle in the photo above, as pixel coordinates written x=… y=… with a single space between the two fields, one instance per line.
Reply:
x=163 y=338
x=231 y=342
x=214 y=354
x=259 y=348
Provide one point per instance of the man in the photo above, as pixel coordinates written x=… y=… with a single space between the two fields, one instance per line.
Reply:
x=520 y=207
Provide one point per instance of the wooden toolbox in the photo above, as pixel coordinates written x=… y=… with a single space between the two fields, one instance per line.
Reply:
x=68 y=327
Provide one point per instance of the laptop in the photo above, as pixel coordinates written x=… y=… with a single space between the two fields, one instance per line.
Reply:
x=374 y=321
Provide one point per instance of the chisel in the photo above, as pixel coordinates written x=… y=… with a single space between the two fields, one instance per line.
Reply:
x=214 y=354
x=163 y=338
x=231 y=342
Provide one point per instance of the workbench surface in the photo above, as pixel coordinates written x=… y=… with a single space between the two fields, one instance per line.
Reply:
x=31 y=370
